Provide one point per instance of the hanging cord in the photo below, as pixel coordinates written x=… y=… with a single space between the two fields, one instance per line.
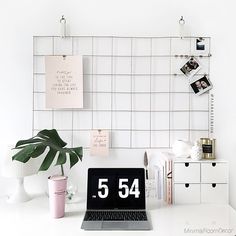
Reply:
x=181 y=27
x=63 y=26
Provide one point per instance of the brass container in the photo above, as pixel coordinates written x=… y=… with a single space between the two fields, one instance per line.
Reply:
x=208 y=148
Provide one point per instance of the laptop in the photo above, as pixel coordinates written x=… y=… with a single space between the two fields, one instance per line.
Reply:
x=116 y=200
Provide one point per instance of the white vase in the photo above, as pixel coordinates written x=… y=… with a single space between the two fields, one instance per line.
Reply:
x=196 y=151
x=182 y=148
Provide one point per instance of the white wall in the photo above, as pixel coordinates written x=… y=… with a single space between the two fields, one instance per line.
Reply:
x=20 y=20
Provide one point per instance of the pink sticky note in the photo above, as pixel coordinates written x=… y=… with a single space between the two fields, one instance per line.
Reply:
x=99 y=143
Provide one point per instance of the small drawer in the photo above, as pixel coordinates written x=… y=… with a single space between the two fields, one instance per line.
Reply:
x=214 y=193
x=187 y=172
x=187 y=193
x=214 y=172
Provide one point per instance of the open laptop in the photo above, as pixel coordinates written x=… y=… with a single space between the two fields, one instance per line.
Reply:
x=116 y=200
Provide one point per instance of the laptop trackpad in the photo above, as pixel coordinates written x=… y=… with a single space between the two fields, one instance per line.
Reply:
x=115 y=225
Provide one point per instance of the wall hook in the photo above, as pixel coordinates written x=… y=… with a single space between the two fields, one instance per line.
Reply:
x=181 y=21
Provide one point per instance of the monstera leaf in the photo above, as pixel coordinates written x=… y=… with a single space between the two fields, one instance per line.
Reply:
x=35 y=146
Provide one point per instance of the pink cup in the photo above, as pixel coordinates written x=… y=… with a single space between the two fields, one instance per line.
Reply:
x=57 y=193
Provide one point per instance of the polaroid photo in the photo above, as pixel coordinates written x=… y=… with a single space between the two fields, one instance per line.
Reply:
x=191 y=67
x=200 y=44
x=201 y=85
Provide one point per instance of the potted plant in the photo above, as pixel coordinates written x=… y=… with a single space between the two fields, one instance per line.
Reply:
x=35 y=147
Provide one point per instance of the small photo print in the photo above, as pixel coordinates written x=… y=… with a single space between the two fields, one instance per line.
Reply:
x=200 y=44
x=191 y=67
x=201 y=85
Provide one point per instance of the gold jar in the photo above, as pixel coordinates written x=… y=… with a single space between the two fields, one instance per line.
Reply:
x=208 y=148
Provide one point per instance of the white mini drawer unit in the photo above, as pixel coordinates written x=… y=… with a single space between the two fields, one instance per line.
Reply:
x=204 y=181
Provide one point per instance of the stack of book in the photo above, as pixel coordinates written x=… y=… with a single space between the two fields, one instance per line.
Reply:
x=163 y=176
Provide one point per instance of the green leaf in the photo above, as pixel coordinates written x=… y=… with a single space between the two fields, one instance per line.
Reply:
x=48 y=159
x=52 y=136
x=78 y=151
x=73 y=159
x=28 y=141
x=24 y=154
x=61 y=158
x=38 y=150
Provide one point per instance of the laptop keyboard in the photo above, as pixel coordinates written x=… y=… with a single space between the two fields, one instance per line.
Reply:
x=115 y=216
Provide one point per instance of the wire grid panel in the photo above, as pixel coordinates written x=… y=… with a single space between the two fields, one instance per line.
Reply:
x=133 y=87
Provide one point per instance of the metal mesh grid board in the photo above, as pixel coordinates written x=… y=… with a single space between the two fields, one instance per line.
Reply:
x=133 y=87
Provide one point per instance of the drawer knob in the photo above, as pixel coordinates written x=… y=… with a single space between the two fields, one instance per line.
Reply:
x=186 y=164
x=213 y=164
x=186 y=185
x=213 y=185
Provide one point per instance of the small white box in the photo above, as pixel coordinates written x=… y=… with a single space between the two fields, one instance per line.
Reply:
x=214 y=172
x=214 y=193
x=187 y=193
x=187 y=172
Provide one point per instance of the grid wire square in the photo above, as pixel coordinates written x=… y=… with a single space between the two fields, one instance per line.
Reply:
x=63 y=120
x=160 y=83
x=141 y=47
x=101 y=120
x=160 y=46
x=122 y=46
x=121 y=102
x=87 y=83
x=121 y=120
x=122 y=65
x=140 y=139
x=87 y=65
x=160 y=121
x=141 y=83
x=43 y=46
x=179 y=84
x=40 y=101
x=141 y=65
x=63 y=46
x=160 y=139
x=179 y=120
x=204 y=63
x=102 y=83
x=199 y=120
x=88 y=98
x=160 y=102
x=141 y=120
x=180 y=46
x=83 y=46
x=122 y=84
x=81 y=138
x=199 y=102
x=39 y=83
x=39 y=64
x=161 y=65
x=141 y=102
x=102 y=101
x=42 y=120
x=102 y=46
x=120 y=139
x=102 y=65
x=180 y=101
x=82 y=120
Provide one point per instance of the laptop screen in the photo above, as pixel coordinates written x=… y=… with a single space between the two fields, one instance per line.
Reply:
x=116 y=188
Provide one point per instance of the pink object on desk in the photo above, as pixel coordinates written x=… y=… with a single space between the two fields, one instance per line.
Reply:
x=57 y=193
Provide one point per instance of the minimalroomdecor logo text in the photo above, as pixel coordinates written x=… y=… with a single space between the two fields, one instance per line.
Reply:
x=208 y=231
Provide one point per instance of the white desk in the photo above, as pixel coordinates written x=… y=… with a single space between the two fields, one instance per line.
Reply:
x=32 y=219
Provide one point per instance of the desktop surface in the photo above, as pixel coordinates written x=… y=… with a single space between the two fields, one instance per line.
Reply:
x=33 y=217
